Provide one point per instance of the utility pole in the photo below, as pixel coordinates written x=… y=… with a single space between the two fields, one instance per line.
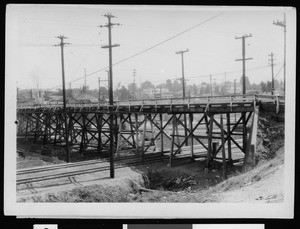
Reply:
x=183 y=88
x=99 y=90
x=85 y=89
x=225 y=83
x=272 y=69
x=134 y=85
x=37 y=88
x=18 y=93
x=62 y=44
x=244 y=86
x=235 y=86
x=160 y=90
x=210 y=83
x=244 y=59
x=283 y=24
x=182 y=68
x=109 y=25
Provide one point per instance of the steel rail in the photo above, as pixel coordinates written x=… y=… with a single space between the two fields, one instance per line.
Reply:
x=150 y=159
x=85 y=171
x=67 y=165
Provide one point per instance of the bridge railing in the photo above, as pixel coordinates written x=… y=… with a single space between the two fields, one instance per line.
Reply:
x=160 y=101
x=168 y=101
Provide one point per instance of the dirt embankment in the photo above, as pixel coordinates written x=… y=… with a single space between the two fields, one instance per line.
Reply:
x=270 y=137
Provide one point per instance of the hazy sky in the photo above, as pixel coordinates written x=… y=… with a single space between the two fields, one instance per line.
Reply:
x=210 y=35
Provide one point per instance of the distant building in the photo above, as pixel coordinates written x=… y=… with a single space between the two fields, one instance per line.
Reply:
x=85 y=98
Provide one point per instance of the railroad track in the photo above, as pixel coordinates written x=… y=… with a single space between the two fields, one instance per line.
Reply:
x=69 y=165
x=101 y=167
x=52 y=172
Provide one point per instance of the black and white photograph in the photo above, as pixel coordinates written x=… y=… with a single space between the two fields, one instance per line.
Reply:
x=149 y=111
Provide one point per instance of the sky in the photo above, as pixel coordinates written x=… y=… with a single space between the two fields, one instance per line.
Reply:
x=149 y=37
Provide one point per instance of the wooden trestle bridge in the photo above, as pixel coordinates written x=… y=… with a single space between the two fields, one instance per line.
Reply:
x=170 y=125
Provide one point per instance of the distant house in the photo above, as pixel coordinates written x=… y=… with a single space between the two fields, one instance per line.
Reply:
x=85 y=98
x=56 y=98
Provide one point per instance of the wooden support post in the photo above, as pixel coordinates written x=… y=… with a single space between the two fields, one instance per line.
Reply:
x=131 y=131
x=223 y=149
x=174 y=123
x=57 y=124
x=26 y=129
x=119 y=135
x=206 y=122
x=244 y=132
x=177 y=131
x=46 y=121
x=71 y=129
x=36 y=133
x=161 y=134
x=249 y=160
x=137 y=132
x=82 y=143
x=99 y=128
x=115 y=129
x=152 y=130
x=191 y=135
x=209 y=151
x=144 y=136
x=228 y=138
x=215 y=146
x=185 y=129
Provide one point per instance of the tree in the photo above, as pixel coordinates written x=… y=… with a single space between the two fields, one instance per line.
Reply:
x=132 y=89
x=176 y=86
x=223 y=89
x=247 y=82
x=195 y=90
x=217 y=89
x=169 y=84
x=263 y=86
x=147 y=84
x=123 y=94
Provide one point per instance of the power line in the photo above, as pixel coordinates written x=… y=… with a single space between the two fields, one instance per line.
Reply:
x=151 y=47
x=227 y=72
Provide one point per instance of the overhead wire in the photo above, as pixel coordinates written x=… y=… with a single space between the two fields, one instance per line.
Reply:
x=147 y=49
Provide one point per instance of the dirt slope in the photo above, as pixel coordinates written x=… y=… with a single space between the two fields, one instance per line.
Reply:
x=262 y=184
